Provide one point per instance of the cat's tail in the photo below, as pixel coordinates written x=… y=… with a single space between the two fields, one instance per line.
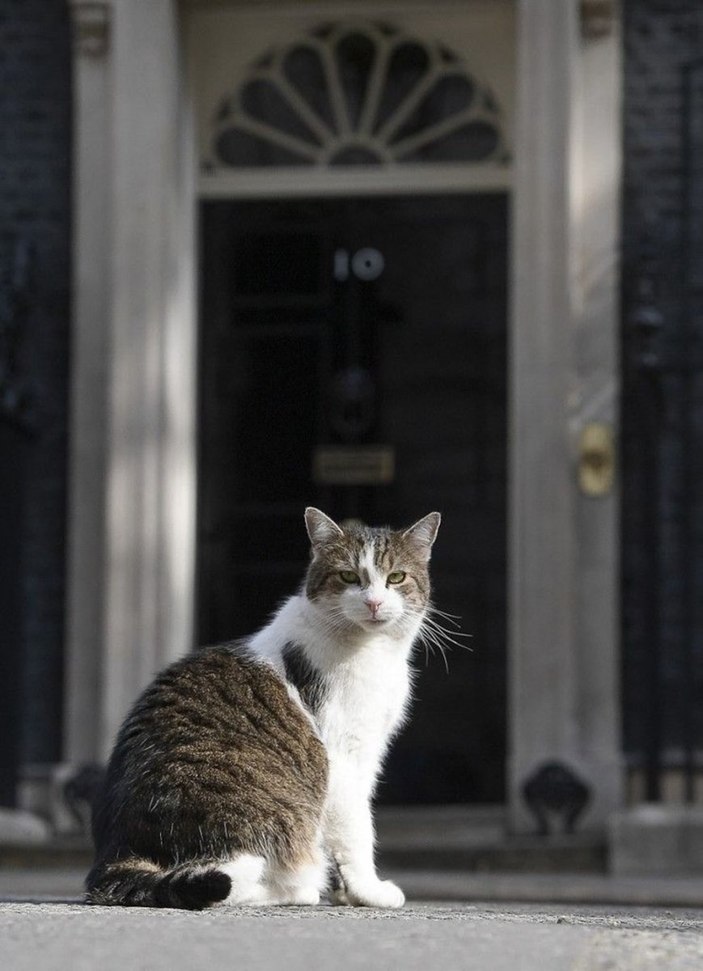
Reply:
x=136 y=882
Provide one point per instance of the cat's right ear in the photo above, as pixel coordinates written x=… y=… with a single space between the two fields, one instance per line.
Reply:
x=321 y=529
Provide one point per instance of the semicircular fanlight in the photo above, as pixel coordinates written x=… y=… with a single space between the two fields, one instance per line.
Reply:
x=355 y=93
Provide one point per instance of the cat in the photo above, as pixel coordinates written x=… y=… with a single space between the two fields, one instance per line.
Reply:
x=245 y=771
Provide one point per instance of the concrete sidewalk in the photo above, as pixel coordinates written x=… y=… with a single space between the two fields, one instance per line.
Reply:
x=421 y=937
x=55 y=883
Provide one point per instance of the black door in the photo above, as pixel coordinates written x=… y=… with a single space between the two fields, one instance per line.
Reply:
x=353 y=357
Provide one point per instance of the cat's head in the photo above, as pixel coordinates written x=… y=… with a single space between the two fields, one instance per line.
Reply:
x=370 y=578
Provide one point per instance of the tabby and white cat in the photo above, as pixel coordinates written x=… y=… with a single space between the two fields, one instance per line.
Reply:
x=244 y=772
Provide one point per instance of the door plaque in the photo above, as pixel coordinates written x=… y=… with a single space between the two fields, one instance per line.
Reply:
x=353 y=465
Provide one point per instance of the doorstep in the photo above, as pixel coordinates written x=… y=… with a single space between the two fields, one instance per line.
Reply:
x=475 y=838
x=443 y=838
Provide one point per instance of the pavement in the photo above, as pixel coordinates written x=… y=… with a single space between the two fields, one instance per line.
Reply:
x=53 y=936
x=44 y=927
x=477 y=901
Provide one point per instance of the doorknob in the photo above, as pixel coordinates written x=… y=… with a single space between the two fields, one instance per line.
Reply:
x=596 y=470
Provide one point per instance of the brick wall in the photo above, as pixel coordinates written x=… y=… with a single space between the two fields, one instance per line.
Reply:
x=35 y=102
x=663 y=391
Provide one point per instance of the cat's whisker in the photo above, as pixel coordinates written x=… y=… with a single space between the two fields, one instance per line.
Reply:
x=434 y=624
x=442 y=632
x=433 y=634
x=431 y=646
x=453 y=619
x=449 y=638
x=443 y=613
x=449 y=642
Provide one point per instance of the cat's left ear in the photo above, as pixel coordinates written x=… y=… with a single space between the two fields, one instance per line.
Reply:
x=423 y=533
x=321 y=529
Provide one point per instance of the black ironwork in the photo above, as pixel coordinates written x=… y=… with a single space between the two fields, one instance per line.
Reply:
x=646 y=324
x=664 y=418
x=16 y=282
x=15 y=289
x=556 y=797
x=691 y=645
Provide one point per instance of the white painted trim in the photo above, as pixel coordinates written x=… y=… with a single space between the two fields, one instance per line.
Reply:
x=387 y=180
x=563 y=591
x=86 y=568
x=151 y=437
x=134 y=374
x=343 y=8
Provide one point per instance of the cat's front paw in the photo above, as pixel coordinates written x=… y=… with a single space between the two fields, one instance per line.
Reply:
x=375 y=893
x=305 y=897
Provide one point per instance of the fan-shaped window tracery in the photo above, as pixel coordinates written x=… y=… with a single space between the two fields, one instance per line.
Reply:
x=357 y=94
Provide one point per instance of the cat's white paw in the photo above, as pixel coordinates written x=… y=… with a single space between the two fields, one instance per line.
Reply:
x=305 y=897
x=375 y=893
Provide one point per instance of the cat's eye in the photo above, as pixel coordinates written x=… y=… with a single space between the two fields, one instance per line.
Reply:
x=349 y=576
x=396 y=577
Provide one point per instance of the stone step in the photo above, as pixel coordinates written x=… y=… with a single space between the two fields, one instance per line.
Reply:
x=475 y=838
x=434 y=838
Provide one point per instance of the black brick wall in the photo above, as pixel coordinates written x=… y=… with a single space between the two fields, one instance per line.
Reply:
x=662 y=509
x=35 y=100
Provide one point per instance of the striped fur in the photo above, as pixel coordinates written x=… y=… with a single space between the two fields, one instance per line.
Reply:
x=215 y=759
x=137 y=882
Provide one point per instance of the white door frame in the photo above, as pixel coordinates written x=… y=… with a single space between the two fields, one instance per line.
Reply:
x=563 y=676
x=133 y=456
x=132 y=493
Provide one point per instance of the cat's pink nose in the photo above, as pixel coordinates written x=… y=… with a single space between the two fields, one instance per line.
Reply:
x=373 y=606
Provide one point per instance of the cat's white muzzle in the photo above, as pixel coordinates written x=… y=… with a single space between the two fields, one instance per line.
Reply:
x=373 y=609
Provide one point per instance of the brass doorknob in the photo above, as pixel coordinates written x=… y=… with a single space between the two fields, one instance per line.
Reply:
x=596 y=471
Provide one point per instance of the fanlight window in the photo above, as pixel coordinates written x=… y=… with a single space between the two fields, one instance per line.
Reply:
x=346 y=94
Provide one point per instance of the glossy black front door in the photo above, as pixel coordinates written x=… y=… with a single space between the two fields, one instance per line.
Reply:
x=353 y=357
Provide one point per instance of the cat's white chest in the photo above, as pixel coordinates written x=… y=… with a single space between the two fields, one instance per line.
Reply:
x=365 y=703
x=365 y=688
